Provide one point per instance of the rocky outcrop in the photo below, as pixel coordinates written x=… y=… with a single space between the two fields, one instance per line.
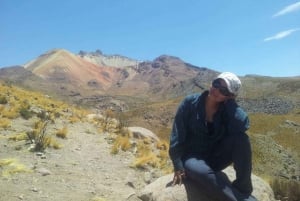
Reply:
x=101 y=59
x=139 y=132
x=162 y=190
x=271 y=105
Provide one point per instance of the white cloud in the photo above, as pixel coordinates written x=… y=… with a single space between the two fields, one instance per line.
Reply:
x=281 y=35
x=288 y=9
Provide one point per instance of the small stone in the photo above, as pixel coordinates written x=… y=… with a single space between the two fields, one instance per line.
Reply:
x=44 y=171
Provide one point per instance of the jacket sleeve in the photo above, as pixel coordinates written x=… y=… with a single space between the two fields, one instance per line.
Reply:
x=238 y=124
x=238 y=121
x=178 y=135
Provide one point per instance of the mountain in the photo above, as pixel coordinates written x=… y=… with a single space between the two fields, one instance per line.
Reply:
x=61 y=66
x=93 y=74
x=165 y=77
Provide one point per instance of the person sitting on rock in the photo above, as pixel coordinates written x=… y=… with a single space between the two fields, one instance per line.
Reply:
x=208 y=135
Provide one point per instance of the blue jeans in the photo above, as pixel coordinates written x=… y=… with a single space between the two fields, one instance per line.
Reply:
x=206 y=172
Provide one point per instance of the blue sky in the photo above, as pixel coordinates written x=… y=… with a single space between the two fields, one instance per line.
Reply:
x=244 y=37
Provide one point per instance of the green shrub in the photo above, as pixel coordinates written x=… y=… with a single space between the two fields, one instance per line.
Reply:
x=3 y=100
x=25 y=113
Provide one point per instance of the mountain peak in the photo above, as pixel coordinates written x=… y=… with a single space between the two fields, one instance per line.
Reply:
x=55 y=51
x=165 y=57
x=114 y=60
x=31 y=65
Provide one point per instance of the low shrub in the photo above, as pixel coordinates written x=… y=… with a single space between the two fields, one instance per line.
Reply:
x=147 y=160
x=25 y=113
x=62 y=133
x=3 y=100
x=121 y=142
x=38 y=136
x=5 y=123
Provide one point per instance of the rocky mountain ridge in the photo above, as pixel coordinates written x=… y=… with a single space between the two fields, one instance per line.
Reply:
x=101 y=59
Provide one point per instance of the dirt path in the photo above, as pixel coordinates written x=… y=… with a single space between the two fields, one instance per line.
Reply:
x=82 y=170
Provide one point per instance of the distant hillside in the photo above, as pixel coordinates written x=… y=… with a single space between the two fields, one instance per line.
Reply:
x=18 y=75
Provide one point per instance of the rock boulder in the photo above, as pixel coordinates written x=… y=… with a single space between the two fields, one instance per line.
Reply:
x=162 y=190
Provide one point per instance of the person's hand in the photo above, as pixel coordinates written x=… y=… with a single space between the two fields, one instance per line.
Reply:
x=178 y=177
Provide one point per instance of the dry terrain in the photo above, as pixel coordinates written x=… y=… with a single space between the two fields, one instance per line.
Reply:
x=82 y=170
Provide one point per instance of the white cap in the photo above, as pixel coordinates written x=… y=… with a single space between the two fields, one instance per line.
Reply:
x=232 y=81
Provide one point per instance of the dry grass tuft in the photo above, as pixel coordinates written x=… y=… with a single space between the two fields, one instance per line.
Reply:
x=56 y=145
x=147 y=160
x=62 y=133
x=4 y=162
x=19 y=137
x=120 y=143
x=12 y=166
x=5 y=123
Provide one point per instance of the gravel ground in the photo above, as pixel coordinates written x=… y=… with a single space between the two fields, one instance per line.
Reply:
x=82 y=170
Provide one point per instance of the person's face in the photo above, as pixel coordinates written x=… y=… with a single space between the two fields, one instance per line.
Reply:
x=219 y=91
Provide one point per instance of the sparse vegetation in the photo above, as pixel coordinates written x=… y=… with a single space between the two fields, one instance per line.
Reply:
x=62 y=133
x=3 y=100
x=39 y=137
x=282 y=131
x=11 y=166
x=120 y=143
x=25 y=113
x=286 y=190
x=26 y=104
x=18 y=137
x=108 y=121
x=148 y=152
x=16 y=103
x=145 y=160
x=5 y=123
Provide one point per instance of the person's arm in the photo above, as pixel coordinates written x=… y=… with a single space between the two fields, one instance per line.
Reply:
x=177 y=140
x=238 y=119
x=242 y=158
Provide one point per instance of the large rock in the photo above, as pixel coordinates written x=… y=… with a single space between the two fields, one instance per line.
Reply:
x=162 y=190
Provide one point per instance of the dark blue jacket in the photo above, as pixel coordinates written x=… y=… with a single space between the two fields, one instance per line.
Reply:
x=190 y=134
